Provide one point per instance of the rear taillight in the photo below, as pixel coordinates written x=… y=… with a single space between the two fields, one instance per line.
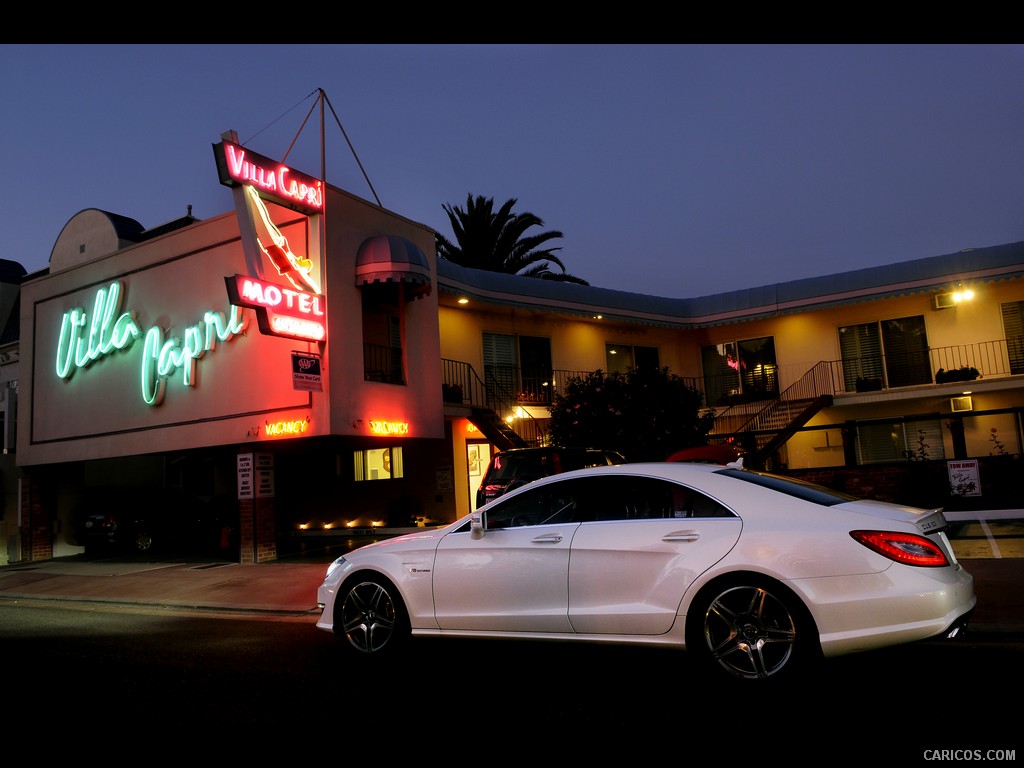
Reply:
x=907 y=548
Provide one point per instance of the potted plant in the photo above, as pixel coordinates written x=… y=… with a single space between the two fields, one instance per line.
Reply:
x=451 y=393
x=964 y=373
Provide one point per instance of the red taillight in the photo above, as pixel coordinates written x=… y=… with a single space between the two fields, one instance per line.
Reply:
x=907 y=548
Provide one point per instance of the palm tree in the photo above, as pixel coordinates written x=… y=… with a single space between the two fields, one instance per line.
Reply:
x=495 y=241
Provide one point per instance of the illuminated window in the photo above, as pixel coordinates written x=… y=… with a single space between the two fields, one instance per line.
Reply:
x=740 y=371
x=378 y=464
x=1013 y=330
x=621 y=357
x=519 y=366
x=889 y=353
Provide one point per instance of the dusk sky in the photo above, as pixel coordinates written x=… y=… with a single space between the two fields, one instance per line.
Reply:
x=671 y=170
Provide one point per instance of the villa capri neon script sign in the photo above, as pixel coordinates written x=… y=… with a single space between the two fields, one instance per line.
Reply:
x=87 y=337
x=237 y=165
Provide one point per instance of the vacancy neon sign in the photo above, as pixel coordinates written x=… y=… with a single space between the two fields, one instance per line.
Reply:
x=280 y=310
x=237 y=165
x=89 y=336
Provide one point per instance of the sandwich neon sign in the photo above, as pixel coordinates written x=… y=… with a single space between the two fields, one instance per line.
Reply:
x=280 y=310
x=88 y=337
x=381 y=427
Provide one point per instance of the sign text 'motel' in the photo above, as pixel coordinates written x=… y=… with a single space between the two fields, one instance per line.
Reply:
x=280 y=310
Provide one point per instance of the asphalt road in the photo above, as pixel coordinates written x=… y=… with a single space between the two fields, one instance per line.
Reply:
x=130 y=684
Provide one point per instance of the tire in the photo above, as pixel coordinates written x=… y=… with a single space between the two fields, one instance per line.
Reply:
x=142 y=541
x=751 y=628
x=370 y=615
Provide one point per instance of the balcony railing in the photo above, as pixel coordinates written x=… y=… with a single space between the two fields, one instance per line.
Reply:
x=754 y=403
x=382 y=363
x=936 y=365
x=462 y=385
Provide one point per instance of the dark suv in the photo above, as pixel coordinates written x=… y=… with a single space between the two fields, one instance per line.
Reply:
x=510 y=469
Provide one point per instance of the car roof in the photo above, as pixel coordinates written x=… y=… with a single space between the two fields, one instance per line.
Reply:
x=677 y=470
x=551 y=449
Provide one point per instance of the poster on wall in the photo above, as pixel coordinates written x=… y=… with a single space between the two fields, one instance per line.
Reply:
x=964 y=479
x=245 y=476
x=445 y=478
x=264 y=480
x=306 y=372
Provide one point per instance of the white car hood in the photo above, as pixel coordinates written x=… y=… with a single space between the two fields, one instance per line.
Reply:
x=925 y=520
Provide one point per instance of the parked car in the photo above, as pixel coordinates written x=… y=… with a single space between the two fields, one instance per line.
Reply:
x=515 y=467
x=118 y=520
x=710 y=454
x=756 y=574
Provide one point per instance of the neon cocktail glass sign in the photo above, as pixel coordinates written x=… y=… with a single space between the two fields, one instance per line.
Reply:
x=280 y=310
x=86 y=338
x=237 y=165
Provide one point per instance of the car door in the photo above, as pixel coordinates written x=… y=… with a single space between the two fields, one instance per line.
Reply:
x=643 y=543
x=513 y=578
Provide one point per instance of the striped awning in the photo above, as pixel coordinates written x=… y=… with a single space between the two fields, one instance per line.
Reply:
x=393 y=259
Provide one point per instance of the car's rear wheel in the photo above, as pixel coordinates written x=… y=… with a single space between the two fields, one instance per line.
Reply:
x=751 y=628
x=142 y=541
x=370 y=615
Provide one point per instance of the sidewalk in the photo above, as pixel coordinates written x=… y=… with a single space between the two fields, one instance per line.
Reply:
x=268 y=588
x=289 y=589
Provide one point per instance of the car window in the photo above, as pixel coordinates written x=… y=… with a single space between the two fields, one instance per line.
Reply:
x=538 y=506
x=801 y=489
x=521 y=465
x=625 y=497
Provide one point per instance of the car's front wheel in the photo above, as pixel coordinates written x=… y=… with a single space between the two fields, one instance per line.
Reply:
x=370 y=615
x=751 y=628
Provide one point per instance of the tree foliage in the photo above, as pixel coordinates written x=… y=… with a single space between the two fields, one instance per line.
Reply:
x=497 y=241
x=644 y=414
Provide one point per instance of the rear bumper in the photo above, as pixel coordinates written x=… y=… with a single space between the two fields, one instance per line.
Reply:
x=958 y=629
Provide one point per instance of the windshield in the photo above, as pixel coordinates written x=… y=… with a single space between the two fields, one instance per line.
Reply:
x=530 y=465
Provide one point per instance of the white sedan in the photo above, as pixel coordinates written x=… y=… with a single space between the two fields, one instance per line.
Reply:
x=756 y=573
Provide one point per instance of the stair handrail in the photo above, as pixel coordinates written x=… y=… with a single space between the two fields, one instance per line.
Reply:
x=477 y=393
x=816 y=382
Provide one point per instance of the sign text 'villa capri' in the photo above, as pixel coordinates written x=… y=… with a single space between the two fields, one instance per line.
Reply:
x=274 y=180
x=88 y=336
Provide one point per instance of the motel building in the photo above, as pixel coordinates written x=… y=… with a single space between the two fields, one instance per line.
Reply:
x=304 y=365
x=279 y=361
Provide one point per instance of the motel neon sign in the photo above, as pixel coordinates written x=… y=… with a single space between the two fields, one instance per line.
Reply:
x=280 y=310
x=87 y=337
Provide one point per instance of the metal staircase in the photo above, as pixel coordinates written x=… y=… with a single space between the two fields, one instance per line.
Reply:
x=760 y=432
x=763 y=433
x=491 y=408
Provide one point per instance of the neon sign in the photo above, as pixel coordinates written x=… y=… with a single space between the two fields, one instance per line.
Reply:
x=236 y=165
x=280 y=311
x=77 y=348
x=379 y=427
x=274 y=245
x=287 y=428
x=86 y=338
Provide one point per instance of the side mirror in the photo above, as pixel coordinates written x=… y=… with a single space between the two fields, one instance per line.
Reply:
x=476 y=525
